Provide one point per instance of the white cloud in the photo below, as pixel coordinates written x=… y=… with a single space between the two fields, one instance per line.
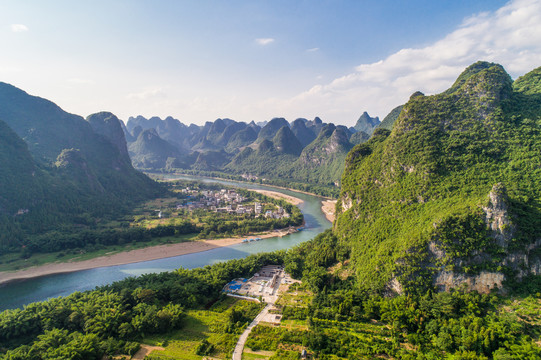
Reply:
x=510 y=36
x=146 y=94
x=313 y=49
x=19 y=28
x=264 y=41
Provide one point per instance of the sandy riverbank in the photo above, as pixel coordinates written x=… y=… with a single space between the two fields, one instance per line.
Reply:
x=328 y=207
x=128 y=257
x=247 y=182
x=277 y=195
x=145 y=254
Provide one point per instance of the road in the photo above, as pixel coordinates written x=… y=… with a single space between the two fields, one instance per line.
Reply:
x=237 y=353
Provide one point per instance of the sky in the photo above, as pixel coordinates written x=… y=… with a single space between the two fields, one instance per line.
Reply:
x=254 y=60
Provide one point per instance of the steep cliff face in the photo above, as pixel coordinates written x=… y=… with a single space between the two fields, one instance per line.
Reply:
x=323 y=159
x=108 y=125
x=450 y=196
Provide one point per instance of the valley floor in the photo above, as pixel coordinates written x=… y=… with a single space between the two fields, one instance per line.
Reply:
x=143 y=254
x=128 y=257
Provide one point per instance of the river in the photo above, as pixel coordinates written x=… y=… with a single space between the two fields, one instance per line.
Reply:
x=19 y=293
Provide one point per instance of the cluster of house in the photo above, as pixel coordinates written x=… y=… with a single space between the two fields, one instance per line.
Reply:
x=226 y=201
x=249 y=177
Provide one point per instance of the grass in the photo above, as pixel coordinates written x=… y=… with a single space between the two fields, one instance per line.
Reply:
x=199 y=325
x=259 y=355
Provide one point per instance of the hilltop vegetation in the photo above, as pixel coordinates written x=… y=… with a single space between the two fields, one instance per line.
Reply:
x=60 y=171
x=453 y=194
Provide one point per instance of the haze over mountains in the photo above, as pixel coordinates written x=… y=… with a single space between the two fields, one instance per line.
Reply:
x=303 y=150
x=59 y=169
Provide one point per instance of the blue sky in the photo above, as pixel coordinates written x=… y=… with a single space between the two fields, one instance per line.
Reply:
x=254 y=60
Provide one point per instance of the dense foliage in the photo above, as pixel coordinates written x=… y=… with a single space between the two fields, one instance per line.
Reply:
x=345 y=321
x=108 y=320
x=414 y=200
x=202 y=223
x=60 y=171
x=305 y=155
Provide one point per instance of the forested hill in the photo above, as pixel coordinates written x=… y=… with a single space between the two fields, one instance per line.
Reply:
x=452 y=195
x=60 y=169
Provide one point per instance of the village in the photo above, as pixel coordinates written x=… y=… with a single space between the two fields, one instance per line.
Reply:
x=229 y=201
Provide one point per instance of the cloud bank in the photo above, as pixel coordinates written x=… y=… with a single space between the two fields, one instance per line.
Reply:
x=264 y=41
x=18 y=28
x=511 y=36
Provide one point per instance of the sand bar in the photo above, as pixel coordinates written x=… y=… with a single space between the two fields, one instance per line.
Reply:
x=329 y=207
x=277 y=195
x=145 y=254
x=128 y=257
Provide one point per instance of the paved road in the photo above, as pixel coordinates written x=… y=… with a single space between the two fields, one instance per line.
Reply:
x=237 y=353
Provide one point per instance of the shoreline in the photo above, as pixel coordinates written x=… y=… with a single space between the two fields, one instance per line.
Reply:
x=249 y=182
x=129 y=257
x=277 y=195
x=144 y=254
x=329 y=209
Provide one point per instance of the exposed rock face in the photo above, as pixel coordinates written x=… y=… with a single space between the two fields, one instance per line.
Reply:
x=497 y=217
x=523 y=262
x=482 y=283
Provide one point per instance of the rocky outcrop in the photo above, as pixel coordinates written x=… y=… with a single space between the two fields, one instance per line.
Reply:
x=482 y=283
x=497 y=217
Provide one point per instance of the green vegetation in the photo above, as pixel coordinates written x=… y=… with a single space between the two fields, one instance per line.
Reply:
x=327 y=315
x=211 y=332
x=425 y=186
x=389 y=120
x=142 y=227
x=60 y=172
x=113 y=319
x=206 y=222
x=306 y=155
x=455 y=187
x=330 y=317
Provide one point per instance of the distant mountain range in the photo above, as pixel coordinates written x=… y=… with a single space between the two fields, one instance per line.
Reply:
x=307 y=151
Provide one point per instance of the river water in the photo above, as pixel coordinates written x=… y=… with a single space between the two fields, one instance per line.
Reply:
x=19 y=293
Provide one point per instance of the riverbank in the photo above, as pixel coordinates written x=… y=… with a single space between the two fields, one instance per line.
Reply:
x=143 y=254
x=131 y=256
x=244 y=182
x=329 y=208
x=276 y=195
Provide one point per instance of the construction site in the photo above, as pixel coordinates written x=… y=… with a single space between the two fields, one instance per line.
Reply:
x=263 y=286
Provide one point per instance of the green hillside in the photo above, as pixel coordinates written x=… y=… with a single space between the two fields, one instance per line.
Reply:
x=60 y=171
x=150 y=151
x=322 y=161
x=415 y=205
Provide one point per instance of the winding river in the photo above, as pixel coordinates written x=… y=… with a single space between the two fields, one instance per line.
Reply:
x=19 y=293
